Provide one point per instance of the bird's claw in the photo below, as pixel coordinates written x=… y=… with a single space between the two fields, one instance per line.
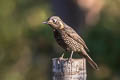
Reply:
x=70 y=60
x=60 y=58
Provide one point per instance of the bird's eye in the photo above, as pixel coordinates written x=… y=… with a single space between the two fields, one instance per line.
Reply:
x=54 y=20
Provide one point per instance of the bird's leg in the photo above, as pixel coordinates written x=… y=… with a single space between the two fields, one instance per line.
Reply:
x=60 y=58
x=70 y=56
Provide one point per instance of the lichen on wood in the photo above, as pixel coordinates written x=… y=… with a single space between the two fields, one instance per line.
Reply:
x=74 y=69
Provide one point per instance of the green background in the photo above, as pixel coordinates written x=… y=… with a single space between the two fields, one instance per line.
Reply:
x=27 y=46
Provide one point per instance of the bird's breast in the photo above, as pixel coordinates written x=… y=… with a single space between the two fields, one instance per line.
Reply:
x=59 y=40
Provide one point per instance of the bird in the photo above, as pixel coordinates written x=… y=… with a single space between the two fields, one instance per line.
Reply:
x=68 y=39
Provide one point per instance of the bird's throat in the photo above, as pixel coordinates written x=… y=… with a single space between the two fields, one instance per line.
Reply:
x=61 y=25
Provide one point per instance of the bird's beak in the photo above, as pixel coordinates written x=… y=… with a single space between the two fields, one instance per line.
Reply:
x=45 y=22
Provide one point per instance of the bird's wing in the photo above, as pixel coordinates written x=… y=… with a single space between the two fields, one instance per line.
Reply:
x=76 y=37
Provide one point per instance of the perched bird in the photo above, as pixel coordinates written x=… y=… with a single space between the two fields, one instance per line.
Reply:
x=68 y=39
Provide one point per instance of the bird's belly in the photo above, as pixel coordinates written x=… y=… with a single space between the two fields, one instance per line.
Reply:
x=72 y=44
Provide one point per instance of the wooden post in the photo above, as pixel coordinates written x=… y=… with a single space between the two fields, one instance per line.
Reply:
x=74 y=69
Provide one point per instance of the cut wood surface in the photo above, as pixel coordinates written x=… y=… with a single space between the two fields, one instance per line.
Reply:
x=74 y=69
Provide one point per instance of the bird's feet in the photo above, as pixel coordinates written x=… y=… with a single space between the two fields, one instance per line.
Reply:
x=70 y=60
x=60 y=58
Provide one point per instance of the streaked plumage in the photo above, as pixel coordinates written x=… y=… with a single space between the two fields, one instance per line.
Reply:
x=68 y=39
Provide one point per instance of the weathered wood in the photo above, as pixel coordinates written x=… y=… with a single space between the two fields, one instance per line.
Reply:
x=74 y=69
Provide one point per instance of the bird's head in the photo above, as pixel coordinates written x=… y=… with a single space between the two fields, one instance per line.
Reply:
x=55 y=22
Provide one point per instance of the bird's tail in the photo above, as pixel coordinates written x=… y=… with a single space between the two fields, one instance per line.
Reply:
x=90 y=61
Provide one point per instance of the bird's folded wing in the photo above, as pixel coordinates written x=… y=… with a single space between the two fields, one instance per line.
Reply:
x=70 y=32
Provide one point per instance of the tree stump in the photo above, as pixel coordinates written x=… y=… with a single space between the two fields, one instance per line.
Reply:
x=74 y=69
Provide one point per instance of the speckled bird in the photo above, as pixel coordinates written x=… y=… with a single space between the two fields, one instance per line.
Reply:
x=68 y=39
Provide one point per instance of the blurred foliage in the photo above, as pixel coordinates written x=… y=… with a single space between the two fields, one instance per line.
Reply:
x=27 y=45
